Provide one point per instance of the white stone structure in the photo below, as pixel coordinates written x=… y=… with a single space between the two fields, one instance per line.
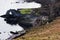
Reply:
x=5 y=28
x=11 y=4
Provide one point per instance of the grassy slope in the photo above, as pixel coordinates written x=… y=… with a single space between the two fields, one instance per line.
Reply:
x=45 y=32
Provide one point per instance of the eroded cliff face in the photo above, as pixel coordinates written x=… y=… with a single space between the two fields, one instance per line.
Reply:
x=45 y=32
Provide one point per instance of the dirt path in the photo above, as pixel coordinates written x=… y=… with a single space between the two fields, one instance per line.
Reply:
x=46 y=32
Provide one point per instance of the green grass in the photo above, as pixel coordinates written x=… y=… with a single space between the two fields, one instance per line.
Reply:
x=25 y=11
